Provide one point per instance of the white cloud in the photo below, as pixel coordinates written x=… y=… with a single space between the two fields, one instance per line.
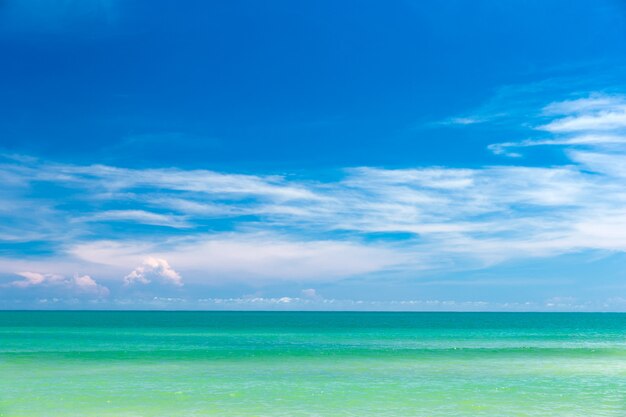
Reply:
x=592 y=103
x=610 y=164
x=33 y=278
x=589 y=140
x=598 y=121
x=465 y=120
x=87 y=284
x=244 y=257
x=593 y=113
x=154 y=269
x=137 y=216
x=285 y=228
x=78 y=285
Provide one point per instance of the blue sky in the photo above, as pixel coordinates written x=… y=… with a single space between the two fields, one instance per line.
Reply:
x=405 y=155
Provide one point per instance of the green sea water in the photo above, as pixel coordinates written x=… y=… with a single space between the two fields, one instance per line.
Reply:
x=311 y=364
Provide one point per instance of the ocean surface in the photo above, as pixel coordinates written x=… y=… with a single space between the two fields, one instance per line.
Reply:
x=311 y=364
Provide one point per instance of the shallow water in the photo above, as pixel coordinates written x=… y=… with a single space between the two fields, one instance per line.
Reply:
x=311 y=364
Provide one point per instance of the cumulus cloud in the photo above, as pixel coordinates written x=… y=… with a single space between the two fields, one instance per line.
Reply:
x=154 y=270
x=77 y=285
x=88 y=284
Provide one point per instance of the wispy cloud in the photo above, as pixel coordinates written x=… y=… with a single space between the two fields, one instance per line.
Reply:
x=251 y=257
x=588 y=139
x=593 y=113
x=137 y=216
x=234 y=227
x=594 y=121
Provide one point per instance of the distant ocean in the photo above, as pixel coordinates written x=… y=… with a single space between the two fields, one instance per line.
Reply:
x=312 y=364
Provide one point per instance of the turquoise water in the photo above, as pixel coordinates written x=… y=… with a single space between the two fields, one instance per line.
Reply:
x=311 y=364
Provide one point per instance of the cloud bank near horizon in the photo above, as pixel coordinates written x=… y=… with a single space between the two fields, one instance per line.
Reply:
x=215 y=227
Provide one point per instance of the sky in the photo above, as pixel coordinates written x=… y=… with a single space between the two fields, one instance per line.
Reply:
x=313 y=155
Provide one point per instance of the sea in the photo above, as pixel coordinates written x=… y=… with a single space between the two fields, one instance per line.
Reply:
x=155 y=363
